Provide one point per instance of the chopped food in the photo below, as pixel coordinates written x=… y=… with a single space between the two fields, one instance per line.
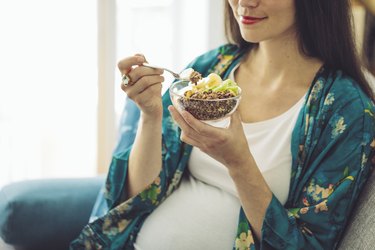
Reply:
x=214 y=85
x=210 y=98
x=191 y=75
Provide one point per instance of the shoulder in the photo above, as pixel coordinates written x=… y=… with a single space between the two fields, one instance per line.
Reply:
x=343 y=92
x=345 y=85
x=206 y=61
x=223 y=50
x=342 y=101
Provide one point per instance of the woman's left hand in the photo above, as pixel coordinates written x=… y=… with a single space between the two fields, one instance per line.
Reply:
x=226 y=145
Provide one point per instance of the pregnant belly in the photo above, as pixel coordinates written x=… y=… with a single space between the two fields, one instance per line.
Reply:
x=195 y=216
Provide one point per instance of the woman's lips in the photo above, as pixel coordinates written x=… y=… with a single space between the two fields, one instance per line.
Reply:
x=251 y=20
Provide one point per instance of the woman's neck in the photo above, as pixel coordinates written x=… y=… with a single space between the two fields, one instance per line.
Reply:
x=280 y=61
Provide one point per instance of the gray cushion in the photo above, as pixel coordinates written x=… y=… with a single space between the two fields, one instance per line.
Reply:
x=46 y=214
x=360 y=232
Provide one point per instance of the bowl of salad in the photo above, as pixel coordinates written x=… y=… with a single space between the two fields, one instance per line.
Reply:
x=208 y=99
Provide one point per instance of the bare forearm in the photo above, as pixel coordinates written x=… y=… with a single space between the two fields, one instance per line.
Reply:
x=254 y=193
x=145 y=158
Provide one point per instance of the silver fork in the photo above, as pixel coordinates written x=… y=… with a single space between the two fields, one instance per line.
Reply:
x=175 y=75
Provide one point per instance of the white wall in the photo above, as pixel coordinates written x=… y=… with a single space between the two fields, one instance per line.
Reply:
x=48 y=89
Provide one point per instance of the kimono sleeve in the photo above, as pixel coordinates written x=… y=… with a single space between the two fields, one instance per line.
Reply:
x=118 y=227
x=336 y=167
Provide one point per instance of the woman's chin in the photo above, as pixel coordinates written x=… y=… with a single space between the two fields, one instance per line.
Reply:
x=251 y=38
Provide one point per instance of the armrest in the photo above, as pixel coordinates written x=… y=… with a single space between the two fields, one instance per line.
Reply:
x=46 y=214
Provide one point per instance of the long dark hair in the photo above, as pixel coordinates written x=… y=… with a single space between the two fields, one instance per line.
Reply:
x=325 y=31
x=368 y=53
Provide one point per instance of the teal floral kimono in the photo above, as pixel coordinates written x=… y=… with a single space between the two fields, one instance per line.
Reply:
x=332 y=157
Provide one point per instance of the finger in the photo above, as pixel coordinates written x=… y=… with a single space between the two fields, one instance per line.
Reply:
x=143 y=84
x=146 y=96
x=142 y=56
x=188 y=131
x=178 y=118
x=126 y=64
x=140 y=71
x=200 y=127
x=189 y=140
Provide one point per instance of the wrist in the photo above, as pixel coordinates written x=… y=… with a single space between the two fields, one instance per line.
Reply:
x=152 y=119
x=239 y=168
x=249 y=174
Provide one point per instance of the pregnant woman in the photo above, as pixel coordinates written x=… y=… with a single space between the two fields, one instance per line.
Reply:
x=287 y=171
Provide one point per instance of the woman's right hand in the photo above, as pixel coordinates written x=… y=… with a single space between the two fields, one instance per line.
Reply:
x=145 y=86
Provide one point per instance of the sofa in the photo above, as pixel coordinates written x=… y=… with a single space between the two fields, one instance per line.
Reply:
x=47 y=214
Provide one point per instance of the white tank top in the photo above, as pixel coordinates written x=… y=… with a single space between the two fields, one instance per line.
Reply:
x=203 y=212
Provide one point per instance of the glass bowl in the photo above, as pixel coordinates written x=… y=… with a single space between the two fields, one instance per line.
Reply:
x=206 y=110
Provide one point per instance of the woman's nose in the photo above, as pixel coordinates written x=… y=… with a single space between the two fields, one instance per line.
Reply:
x=249 y=3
